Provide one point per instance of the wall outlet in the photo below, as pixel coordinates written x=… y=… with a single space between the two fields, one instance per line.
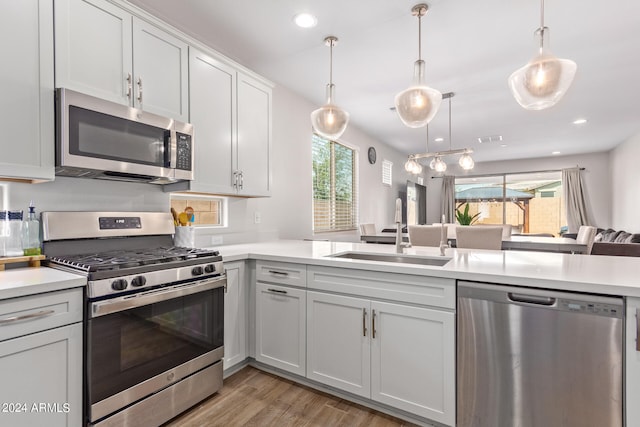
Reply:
x=257 y=218
x=216 y=240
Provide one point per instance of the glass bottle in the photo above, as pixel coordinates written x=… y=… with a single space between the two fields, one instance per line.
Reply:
x=31 y=233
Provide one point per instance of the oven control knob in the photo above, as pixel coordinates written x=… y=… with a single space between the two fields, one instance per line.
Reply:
x=138 y=281
x=196 y=271
x=209 y=268
x=119 y=285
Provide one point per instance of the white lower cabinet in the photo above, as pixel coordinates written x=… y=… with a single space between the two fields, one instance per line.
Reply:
x=235 y=315
x=41 y=360
x=338 y=342
x=280 y=327
x=397 y=353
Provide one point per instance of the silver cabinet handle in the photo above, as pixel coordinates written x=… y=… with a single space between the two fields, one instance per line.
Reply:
x=31 y=316
x=241 y=180
x=373 y=323
x=278 y=291
x=235 y=180
x=129 y=85
x=279 y=273
x=140 y=90
x=364 y=322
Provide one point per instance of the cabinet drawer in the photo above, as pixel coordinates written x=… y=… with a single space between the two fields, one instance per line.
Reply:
x=421 y=290
x=284 y=273
x=26 y=315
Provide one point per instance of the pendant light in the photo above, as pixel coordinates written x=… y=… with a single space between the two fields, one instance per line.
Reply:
x=437 y=163
x=330 y=121
x=417 y=105
x=545 y=79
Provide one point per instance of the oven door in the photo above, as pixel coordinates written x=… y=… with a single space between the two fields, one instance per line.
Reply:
x=139 y=344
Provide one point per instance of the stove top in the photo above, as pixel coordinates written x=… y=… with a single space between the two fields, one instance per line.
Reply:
x=118 y=260
x=123 y=252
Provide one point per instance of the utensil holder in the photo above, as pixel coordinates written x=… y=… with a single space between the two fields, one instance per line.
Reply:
x=185 y=237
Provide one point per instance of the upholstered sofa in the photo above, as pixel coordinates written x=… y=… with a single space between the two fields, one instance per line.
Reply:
x=617 y=243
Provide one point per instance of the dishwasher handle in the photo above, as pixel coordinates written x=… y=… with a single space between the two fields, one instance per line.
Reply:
x=531 y=299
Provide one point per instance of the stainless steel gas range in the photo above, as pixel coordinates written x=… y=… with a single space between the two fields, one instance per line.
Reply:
x=154 y=314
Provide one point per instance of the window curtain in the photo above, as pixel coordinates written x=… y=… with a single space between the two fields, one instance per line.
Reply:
x=448 y=198
x=574 y=198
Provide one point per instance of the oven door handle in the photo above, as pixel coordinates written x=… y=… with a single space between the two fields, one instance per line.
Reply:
x=102 y=308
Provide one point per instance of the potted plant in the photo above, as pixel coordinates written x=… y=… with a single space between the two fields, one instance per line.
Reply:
x=464 y=218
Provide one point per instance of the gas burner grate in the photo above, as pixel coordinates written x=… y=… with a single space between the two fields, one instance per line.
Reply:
x=116 y=260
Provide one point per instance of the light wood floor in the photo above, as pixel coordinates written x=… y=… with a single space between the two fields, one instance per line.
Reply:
x=255 y=398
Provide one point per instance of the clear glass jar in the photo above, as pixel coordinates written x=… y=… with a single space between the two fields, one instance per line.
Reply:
x=11 y=233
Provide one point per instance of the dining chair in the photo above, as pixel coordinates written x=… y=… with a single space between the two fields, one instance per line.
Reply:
x=506 y=229
x=451 y=229
x=469 y=237
x=586 y=236
x=424 y=235
x=367 y=229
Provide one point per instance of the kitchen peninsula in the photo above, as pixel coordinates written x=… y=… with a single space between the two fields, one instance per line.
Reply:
x=322 y=317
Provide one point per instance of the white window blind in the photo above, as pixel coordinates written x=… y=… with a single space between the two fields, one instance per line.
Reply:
x=335 y=192
x=387 y=172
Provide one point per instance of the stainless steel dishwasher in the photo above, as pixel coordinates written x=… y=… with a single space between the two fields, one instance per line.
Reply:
x=536 y=358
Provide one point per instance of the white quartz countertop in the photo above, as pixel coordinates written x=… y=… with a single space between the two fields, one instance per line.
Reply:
x=19 y=282
x=583 y=273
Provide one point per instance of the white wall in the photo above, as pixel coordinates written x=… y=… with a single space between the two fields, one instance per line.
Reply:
x=596 y=177
x=625 y=188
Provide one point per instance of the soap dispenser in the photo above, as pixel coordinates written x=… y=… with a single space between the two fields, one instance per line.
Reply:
x=31 y=233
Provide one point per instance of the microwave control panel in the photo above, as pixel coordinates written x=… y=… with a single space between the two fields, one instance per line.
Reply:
x=183 y=148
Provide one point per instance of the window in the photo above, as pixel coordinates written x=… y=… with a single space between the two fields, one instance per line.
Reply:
x=387 y=172
x=531 y=202
x=207 y=210
x=335 y=193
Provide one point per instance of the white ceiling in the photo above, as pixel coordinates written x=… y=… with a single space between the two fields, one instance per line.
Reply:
x=470 y=47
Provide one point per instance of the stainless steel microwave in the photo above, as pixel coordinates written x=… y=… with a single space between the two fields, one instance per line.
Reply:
x=102 y=139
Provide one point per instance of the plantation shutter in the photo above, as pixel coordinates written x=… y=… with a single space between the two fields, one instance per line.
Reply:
x=335 y=193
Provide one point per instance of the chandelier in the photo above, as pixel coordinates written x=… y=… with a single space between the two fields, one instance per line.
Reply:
x=437 y=163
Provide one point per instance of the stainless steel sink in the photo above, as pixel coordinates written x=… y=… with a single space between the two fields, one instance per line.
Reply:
x=403 y=259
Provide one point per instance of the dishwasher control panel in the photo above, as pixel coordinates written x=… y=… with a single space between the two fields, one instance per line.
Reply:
x=602 y=309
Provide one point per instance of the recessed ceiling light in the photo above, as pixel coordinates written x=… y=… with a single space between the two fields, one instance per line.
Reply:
x=579 y=121
x=439 y=139
x=305 y=20
x=503 y=145
x=490 y=138
x=555 y=153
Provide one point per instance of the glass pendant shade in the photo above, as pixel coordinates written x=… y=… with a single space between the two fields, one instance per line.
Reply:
x=466 y=162
x=413 y=167
x=544 y=80
x=418 y=104
x=439 y=165
x=330 y=121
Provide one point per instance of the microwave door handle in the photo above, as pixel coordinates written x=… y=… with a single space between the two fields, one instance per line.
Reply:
x=173 y=149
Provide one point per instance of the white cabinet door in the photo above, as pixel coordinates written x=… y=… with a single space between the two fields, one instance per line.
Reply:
x=26 y=105
x=280 y=327
x=338 y=342
x=160 y=72
x=235 y=315
x=94 y=49
x=413 y=360
x=254 y=137
x=212 y=97
x=42 y=369
x=104 y=51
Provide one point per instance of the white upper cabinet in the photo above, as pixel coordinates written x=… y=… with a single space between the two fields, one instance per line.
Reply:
x=231 y=115
x=213 y=98
x=104 y=51
x=27 y=105
x=254 y=137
